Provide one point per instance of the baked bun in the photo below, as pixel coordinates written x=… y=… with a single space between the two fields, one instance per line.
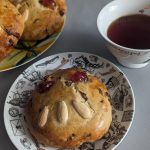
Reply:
x=11 y=27
x=43 y=17
x=68 y=108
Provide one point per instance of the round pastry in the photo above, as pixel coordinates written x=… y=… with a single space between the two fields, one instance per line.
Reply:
x=43 y=17
x=68 y=108
x=11 y=27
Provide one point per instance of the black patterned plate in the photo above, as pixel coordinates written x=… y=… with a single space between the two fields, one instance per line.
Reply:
x=122 y=99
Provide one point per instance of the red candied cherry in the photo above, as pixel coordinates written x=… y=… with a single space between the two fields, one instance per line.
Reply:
x=78 y=76
x=44 y=86
x=48 y=3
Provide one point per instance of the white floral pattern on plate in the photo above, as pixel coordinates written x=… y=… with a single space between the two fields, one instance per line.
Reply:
x=120 y=91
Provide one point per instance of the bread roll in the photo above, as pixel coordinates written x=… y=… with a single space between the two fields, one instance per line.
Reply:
x=43 y=17
x=11 y=27
x=68 y=108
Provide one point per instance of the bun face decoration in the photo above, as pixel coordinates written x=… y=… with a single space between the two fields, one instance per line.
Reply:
x=68 y=108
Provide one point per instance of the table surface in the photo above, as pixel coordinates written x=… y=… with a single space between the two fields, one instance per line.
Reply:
x=81 y=34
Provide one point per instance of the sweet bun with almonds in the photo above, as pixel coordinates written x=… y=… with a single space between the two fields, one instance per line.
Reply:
x=68 y=108
x=11 y=27
x=42 y=17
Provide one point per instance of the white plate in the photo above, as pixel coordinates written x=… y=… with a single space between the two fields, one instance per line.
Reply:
x=122 y=98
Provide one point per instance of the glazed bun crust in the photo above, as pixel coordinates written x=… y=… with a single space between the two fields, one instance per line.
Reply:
x=11 y=27
x=68 y=108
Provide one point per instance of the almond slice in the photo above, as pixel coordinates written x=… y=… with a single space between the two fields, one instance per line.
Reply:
x=43 y=117
x=25 y=14
x=18 y=6
x=82 y=109
x=62 y=112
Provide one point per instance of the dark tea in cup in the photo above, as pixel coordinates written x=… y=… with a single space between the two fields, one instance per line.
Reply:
x=131 y=31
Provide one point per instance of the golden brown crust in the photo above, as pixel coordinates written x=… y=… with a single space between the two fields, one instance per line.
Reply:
x=41 y=21
x=11 y=27
x=78 y=126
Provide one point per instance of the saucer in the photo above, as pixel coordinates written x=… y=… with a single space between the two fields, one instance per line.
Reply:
x=120 y=90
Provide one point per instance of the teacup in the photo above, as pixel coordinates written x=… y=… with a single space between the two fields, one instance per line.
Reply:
x=129 y=57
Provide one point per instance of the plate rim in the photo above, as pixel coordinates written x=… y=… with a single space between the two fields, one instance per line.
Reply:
x=79 y=53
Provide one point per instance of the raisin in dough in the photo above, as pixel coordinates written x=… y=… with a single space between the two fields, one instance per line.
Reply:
x=68 y=108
